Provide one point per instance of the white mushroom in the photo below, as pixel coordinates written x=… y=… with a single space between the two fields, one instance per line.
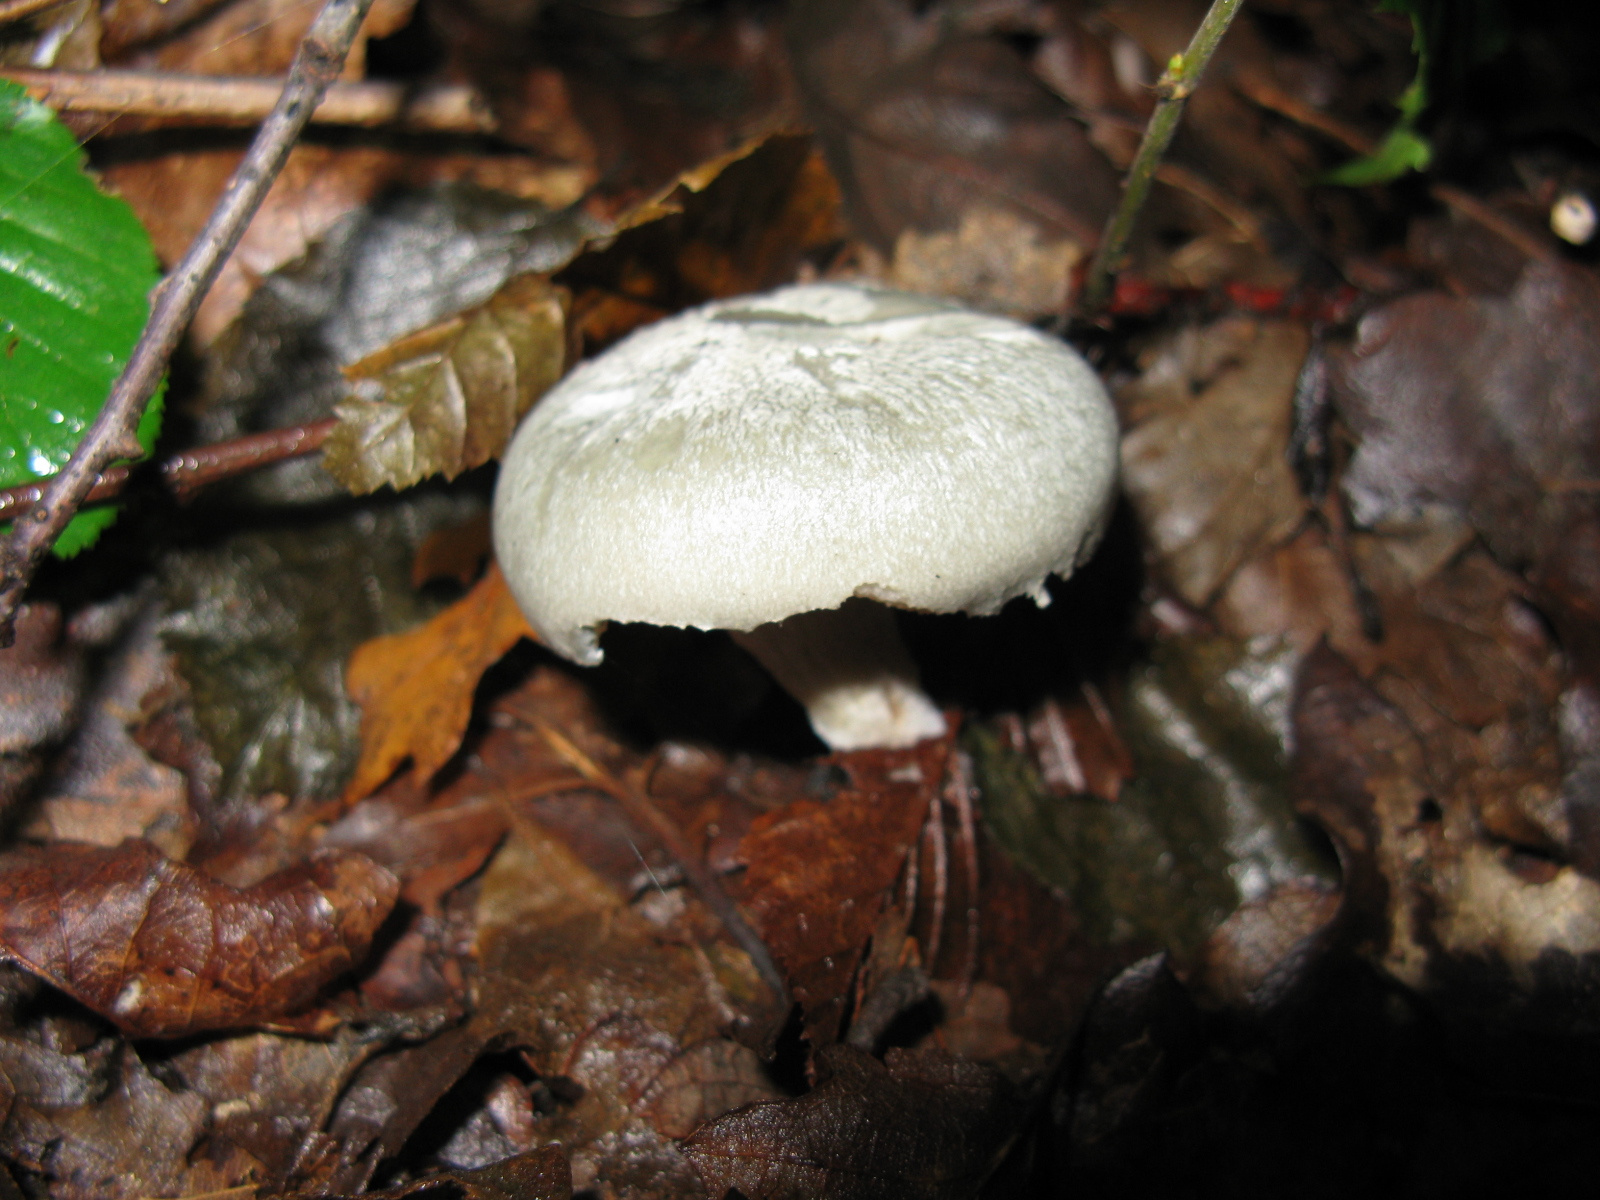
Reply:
x=767 y=464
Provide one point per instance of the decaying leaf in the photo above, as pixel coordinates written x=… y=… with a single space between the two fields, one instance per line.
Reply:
x=415 y=688
x=915 y=1126
x=741 y=223
x=1442 y=908
x=162 y=951
x=1210 y=475
x=541 y=1174
x=263 y=622
x=817 y=875
x=593 y=992
x=102 y=1126
x=448 y=398
x=1485 y=405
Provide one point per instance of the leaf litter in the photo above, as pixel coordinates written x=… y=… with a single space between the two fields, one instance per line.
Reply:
x=323 y=971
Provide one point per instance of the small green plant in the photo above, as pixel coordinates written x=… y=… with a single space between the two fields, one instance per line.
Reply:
x=76 y=269
x=1449 y=37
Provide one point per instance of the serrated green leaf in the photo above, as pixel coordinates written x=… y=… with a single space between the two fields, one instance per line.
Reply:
x=76 y=269
x=448 y=398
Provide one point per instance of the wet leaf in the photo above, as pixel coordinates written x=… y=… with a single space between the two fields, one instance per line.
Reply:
x=162 y=951
x=740 y=223
x=1210 y=477
x=263 y=622
x=593 y=992
x=541 y=1174
x=1442 y=908
x=41 y=684
x=926 y=118
x=818 y=875
x=1484 y=405
x=415 y=689
x=131 y=1137
x=918 y=1125
x=1204 y=823
x=75 y=270
x=449 y=397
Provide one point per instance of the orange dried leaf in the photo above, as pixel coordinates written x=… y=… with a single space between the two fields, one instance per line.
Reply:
x=415 y=688
x=166 y=951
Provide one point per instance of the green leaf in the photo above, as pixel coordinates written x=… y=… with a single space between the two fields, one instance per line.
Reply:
x=1402 y=151
x=447 y=399
x=76 y=268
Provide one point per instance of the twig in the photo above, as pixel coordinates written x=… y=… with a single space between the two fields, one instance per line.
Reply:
x=643 y=813
x=113 y=435
x=1174 y=88
x=247 y=99
x=15 y=10
x=186 y=473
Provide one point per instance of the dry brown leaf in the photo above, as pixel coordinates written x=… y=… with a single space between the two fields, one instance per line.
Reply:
x=917 y=1126
x=1441 y=907
x=1210 y=479
x=447 y=399
x=818 y=875
x=1485 y=405
x=739 y=223
x=415 y=689
x=541 y=1174
x=595 y=992
x=163 y=951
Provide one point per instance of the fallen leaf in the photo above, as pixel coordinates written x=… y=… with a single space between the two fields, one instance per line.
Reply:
x=104 y=787
x=740 y=223
x=41 y=685
x=131 y=1137
x=593 y=992
x=162 y=951
x=917 y=1125
x=818 y=875
x=446 y=399
x=1211 y=479
x=541 y=1174
x=1441 y=908
x=416 y=688
x=925 y=120
x=262 y=623
x=1485 y=405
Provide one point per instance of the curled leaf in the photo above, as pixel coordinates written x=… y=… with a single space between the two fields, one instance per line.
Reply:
x=446 y=399
x=163 y=950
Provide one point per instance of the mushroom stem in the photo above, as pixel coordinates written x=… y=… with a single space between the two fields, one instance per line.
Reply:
x=851 y=671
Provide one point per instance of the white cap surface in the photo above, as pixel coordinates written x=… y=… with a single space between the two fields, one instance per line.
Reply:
x=775 y=454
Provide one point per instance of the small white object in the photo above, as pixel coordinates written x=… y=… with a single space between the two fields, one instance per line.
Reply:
x=1573 y=219
x=780 y=454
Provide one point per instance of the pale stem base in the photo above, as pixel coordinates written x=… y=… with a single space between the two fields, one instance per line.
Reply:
x=853 y=674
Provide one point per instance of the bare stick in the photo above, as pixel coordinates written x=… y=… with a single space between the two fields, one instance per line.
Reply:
x=188 y=472
x=317 y=63
x=247 y=99
x=1174 y=88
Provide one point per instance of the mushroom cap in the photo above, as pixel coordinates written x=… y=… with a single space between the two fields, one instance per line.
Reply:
x=779 y=453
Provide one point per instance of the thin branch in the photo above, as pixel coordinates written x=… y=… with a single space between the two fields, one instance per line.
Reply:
x=113 y=435
x=1175 y=86
x=247 y=99
x=15 y=10
x=186 y=473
